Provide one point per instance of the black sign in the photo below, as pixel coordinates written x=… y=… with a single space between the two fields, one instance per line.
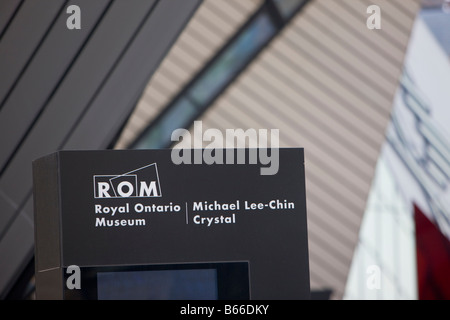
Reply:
x=121 y=214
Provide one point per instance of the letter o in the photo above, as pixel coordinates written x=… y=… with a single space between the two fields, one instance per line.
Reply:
x=129 y=186
x=138 y=207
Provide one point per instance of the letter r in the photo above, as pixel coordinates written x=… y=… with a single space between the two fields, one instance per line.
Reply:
x=103 y=188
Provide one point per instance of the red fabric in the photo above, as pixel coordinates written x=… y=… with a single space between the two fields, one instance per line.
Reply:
x=433 y=259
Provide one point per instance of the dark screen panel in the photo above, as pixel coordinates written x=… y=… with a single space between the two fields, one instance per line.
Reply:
x=194 y=284
x=186 y=281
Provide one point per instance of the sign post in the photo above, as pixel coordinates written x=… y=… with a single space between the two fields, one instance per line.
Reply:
x=139 y=226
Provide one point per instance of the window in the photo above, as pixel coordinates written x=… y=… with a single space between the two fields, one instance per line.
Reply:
x=217 y=75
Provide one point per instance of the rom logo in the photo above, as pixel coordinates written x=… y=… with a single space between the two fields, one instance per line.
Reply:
x=139 y=183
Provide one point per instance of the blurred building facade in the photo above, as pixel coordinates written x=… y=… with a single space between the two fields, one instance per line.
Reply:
x=406 y=226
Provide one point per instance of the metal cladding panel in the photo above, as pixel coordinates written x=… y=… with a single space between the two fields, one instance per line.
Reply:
x=47 y=66
x=56 y=83
x=212 y=25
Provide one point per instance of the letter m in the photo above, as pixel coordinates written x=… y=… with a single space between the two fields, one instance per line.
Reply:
x=148 y=190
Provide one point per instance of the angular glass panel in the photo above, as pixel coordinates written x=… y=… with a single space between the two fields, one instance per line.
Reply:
x=160 y=134
x=234 y=58
x=287 y=7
